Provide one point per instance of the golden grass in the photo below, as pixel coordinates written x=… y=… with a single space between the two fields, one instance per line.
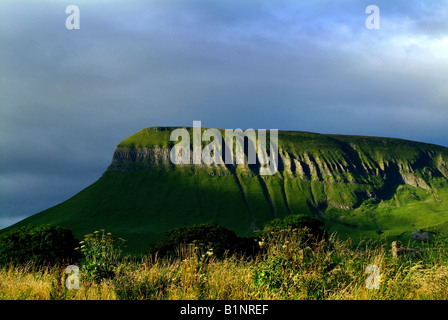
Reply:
x=288 y=269
x=28 y=283
x=24 y=284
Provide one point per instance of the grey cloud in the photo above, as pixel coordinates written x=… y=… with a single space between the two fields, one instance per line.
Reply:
x=68 y=97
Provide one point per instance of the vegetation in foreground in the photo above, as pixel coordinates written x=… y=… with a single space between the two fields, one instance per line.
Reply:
x=370 y=187
x=291 y=263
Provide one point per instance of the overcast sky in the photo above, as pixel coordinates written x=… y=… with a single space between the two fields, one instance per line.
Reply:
x=68 y=97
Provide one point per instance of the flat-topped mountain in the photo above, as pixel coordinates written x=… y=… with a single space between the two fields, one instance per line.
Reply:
x=359 y=186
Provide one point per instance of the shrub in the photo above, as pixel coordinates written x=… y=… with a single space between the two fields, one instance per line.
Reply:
x=206 y=237
x=101 y=252
x=313 y=226
x=38 y=245
x=293 y=247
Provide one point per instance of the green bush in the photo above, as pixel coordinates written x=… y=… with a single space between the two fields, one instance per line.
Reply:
x=102 y=252
x=313 y=226
x=38 y=245
x=206 y=237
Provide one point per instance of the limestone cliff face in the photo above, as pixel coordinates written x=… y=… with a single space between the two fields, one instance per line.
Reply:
x=145 y=158
x=337 y=171
x=142 y=194
x=442 y=165
x=129 y=159
x=316 y=167
x=306 y=166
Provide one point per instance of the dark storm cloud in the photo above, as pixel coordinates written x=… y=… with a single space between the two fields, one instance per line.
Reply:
x=68 y=97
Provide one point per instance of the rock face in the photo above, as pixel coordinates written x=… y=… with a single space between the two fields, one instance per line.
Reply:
x=422 y=235
x=337 y=171
x=129 y=159
x=337 y=178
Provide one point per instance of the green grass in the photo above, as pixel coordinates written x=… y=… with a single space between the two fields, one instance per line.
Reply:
x=351 y=182
x=140 y=206
x=290 y=267
x=395 y=219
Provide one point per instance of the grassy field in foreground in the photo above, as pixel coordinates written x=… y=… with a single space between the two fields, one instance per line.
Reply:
x=368 y=187
x=288 y=269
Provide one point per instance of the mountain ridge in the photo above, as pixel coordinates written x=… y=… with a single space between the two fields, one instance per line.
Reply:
x=358 y=185
x=355 y=166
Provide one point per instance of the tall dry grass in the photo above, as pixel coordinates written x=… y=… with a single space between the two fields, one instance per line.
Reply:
x=47 y=283
x=290 y=267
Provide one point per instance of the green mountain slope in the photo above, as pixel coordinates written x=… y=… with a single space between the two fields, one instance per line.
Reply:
x=359 y=186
